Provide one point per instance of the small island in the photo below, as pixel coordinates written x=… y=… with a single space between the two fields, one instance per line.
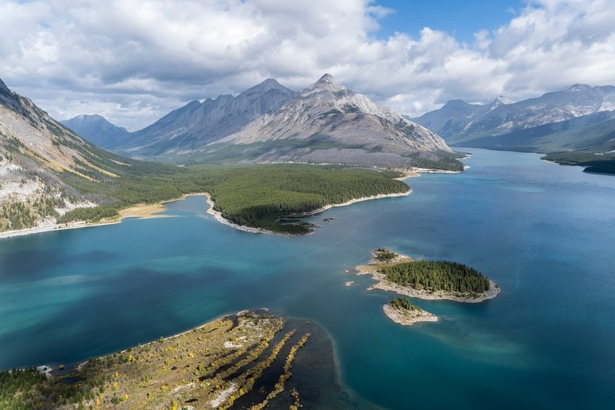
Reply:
x=404 y=312
x=430 y=280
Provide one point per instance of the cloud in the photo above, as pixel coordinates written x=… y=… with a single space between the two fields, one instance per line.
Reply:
x=134 y=61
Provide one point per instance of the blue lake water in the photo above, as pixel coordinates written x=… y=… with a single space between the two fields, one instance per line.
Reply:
x=545 y=233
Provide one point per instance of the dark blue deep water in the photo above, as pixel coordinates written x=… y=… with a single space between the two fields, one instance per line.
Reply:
x=545 y=233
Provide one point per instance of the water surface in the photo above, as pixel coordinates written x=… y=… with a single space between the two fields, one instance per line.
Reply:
x=543 y=232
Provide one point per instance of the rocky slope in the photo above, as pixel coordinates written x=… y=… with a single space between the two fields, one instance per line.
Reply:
x=97 y=130
x=37 y=158
x=196 y=124
x=328 y=123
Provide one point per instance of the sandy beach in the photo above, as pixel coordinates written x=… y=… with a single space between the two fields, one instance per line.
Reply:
x=141 y=211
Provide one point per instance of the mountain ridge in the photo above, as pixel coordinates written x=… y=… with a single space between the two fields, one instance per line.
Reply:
x=198 y=123
x=324 y=123
x=472 y=124
x=575 y=126
x=328 y=123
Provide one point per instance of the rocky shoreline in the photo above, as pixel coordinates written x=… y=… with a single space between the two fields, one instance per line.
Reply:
x=383 y=283
x=408 y=317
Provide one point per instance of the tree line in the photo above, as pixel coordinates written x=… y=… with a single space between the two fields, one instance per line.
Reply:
x=404 y=304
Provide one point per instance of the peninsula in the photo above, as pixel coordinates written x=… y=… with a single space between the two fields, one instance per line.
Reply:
x=430 y=280
x=245 y=358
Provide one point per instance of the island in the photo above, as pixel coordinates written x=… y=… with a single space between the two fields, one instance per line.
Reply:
x=430 y=280
x=404 y=312
x=243 y=359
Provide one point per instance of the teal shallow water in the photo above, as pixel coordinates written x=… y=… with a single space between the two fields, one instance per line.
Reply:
x=542 y=231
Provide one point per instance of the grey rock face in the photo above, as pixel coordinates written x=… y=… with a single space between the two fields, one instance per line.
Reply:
x=328 y=118
x=197 y=124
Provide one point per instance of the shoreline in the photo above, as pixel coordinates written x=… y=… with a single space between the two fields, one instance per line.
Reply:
x=218 y=217
x=148 y=211
x=350 y=202
x=139 y=211
x=382 y=283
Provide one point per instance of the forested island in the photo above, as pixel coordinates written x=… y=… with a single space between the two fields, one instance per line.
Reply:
x=243 y=359
x=432 y=280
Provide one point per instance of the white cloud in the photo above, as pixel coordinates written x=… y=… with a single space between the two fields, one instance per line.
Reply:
x=134 y=61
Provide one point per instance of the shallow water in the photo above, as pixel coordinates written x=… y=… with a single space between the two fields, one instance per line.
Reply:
x=543 y=232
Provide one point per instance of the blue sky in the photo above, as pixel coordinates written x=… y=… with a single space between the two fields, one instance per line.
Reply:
x=459 y=18
x=133 y=61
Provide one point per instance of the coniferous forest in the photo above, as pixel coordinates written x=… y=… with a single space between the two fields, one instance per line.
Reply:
x=259 y=196
x=437 y=275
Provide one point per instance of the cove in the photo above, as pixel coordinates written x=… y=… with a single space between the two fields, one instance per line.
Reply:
x=543 y=232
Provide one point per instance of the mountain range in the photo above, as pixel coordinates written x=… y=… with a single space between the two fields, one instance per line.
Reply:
x=51 y=175
x=578 y=118
x=325 y=123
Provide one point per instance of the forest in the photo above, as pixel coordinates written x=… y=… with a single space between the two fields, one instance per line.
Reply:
x=257 y=196
x=437 y=275
x=404 y=304
x=260 y=196
x=19 y=388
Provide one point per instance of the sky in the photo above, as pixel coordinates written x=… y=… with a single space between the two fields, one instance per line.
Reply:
x=134 y=61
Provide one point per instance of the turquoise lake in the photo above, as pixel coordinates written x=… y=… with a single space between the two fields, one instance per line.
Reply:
x=545 y=233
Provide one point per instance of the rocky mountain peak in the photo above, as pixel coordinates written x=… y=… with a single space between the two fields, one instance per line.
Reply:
x=89 y=117
x=328 y=123
x=501 y=100
x=326 y=78
x=267 y=85
x=326 y=83
x=579 y=88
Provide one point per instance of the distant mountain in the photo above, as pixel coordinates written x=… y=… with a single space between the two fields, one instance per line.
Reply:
x=535 y=124
x=197 y=124
x=43 y=164
x=454 y=116
x=97 y=130
x=328 y=123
